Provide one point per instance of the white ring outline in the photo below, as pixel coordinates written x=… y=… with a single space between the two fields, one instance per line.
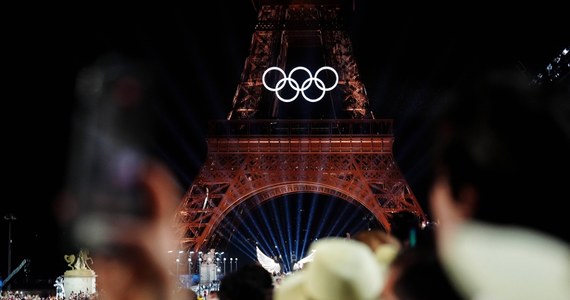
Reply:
x=295 y=85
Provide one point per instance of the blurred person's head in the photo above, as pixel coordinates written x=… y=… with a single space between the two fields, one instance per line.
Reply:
x=416 y=273
x=256 y=273
x=340 y=269
x=382 y=244
x=250 y=281
x=498 y=152
x=213 y=295
x=120 y=198
x=185 y=294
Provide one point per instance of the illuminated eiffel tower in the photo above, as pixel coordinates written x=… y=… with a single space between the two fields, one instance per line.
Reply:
x=268 y=148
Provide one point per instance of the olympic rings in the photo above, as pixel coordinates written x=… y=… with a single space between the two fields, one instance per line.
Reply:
x=295 y=85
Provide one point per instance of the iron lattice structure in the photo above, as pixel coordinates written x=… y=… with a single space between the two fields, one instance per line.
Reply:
x=253 y=160
x=280 y=27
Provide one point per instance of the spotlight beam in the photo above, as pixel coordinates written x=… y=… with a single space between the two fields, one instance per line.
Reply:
x=267 y=244
x=246 y=226
x=240 y=243
x=270 y=229
x=337 y=221
x=298 y=231
x=355 y=213
x=288 y=226
x=325 y=216
x=308 y=227
x=284 y=247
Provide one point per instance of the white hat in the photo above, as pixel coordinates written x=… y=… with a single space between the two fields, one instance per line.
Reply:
x=500 y=262
x=341 y=269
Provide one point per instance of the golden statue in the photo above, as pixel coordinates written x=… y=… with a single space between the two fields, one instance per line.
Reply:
x=82 y=260
x=79 y=263
x=69 y=259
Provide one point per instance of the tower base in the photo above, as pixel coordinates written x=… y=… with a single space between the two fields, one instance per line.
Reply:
x=76 y=281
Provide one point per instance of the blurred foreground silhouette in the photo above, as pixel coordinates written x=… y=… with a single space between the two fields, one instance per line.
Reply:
x=120 y=199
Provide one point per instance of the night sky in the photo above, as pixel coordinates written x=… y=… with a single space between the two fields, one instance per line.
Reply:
x=406 y=56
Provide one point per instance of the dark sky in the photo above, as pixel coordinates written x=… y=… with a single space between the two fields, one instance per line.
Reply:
x=406 y=57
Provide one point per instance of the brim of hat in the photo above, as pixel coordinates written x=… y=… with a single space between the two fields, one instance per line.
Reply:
x=507 y=263
x=291 y=287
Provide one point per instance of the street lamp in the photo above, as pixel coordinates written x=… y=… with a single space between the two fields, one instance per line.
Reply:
x=224 y=266
x=217 y=267
x=236 y=263
x=10 y=218
x=190 y=263
x=231 y=264
x=177 y=267
x=368 y=219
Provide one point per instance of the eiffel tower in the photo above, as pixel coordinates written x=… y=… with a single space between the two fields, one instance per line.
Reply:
x=268 y=148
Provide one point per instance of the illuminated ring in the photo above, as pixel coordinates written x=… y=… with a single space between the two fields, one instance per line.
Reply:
x=320 y=84
x=277 y=87
x=294 y=84
x=288 y=79
x=281 y=84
